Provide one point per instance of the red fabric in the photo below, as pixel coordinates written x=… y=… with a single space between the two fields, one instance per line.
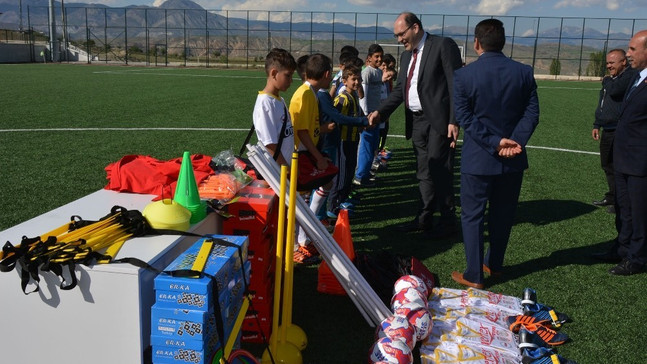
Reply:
x=147 y=175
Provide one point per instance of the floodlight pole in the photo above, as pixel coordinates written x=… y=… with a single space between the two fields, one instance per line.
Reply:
x=53 y=42
x=20 y=14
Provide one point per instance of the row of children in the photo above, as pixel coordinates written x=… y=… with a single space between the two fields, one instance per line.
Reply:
x=331 y=125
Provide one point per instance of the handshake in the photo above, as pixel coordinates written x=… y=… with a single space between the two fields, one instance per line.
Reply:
x=373 y=119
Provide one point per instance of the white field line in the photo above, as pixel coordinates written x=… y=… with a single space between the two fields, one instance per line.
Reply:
x=156 y=73
x=230 y=129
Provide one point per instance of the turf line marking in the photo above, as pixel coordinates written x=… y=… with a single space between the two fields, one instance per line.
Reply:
x=175 y=74
x=569 y=88
x=119 y=129
x=235 y=129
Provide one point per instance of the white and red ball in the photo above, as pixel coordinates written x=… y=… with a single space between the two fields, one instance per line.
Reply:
x=408 y=296
x=390 y=351
x=419 y=318
x=411 y=281
x=397 y=327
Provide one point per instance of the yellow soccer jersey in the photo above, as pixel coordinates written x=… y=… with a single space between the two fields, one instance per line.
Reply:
x=304 y=111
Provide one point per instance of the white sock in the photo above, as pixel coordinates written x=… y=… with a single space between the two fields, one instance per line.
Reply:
x=318 y=199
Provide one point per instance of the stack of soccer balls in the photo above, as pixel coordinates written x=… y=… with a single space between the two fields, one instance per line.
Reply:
x=411 y=323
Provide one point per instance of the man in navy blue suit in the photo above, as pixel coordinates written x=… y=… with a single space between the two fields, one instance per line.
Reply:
x=630 y=164
x=496 y=104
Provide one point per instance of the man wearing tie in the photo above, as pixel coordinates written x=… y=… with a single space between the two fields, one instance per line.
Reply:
x=630 y=164
x=496 y=104
x=424 y=85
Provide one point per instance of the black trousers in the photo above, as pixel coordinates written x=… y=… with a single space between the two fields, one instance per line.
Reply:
x=606 y=161
x=434 y=171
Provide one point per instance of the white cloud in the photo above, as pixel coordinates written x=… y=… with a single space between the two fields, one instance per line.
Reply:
x=608 y=4
x=276 y=5
x=496 y=7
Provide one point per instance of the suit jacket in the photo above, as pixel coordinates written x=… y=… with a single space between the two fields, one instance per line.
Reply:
x=630 y=144
x=494 y=97
x=440 y=57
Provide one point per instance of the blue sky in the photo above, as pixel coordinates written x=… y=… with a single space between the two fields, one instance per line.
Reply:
x=566 y=8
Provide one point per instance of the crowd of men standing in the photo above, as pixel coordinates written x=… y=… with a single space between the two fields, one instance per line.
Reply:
x=494 y=99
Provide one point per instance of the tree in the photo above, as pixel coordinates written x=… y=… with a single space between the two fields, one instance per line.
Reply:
x=597 y=64
x=555 y=67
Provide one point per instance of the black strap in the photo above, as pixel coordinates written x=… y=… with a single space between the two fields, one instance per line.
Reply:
x=277 y=152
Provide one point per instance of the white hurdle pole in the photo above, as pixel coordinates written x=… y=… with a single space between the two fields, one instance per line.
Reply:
x=362 y=306
x=353 y=282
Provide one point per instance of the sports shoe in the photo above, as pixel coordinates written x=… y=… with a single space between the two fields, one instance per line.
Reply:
x=517 y=322
x=347 y=206
x=385 y=153
x=366 y=183
x=542 y=311
x=542 y=355
x=331 y=215
x=307 y=255
x=538 y=327
x=550 y=336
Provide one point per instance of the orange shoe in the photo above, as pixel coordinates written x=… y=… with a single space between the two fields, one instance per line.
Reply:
x=307 y=255
x=458 y=278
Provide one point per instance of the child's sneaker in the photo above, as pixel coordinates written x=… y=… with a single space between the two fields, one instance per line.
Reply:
x=385 y=153
x=331 y=215
x=307 y=255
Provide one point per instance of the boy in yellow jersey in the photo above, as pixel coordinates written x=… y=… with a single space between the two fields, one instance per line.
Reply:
x=270 y=111
x=304 y=110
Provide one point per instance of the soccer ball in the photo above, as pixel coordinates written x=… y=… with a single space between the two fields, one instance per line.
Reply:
x=419 y=318
x=411 y=281
x=397 y=328
x=408 y=295
x=390 y=351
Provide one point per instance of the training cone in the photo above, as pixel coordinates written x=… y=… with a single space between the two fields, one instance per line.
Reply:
x=186 y=191
x=327 y=282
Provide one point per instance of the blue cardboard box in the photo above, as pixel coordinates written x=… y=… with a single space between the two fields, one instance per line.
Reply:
x=224 y=264
x=201 y=301
x=195 y=323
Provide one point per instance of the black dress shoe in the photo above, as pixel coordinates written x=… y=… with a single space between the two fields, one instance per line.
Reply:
x=603 y=202
x=608 y=257
x=626 y=268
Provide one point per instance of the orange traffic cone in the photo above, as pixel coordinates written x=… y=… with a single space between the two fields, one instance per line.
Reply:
x=327 y=282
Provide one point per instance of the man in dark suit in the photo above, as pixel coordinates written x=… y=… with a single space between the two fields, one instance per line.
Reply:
x=495 y=100
x=630 y=164
x=424 y=85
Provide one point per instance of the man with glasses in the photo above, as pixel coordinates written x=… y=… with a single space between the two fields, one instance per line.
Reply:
x=424 y=85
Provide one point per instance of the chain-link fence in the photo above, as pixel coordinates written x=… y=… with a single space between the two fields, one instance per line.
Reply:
x=226 y=38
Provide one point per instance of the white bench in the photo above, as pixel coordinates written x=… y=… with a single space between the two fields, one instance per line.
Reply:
x=106 y=318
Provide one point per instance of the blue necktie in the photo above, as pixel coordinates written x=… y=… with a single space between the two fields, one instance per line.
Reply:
x=633 y=86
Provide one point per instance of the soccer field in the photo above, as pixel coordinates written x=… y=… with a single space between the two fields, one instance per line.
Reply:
x=61 y=124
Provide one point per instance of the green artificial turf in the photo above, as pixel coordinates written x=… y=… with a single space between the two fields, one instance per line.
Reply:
x=45 y=165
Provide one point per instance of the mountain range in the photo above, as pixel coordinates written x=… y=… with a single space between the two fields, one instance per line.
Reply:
x=173 y=17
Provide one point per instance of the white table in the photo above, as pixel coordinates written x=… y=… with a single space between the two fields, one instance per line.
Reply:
x=106 y=318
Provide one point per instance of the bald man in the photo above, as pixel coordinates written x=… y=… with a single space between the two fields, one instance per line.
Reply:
x=630 y=165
